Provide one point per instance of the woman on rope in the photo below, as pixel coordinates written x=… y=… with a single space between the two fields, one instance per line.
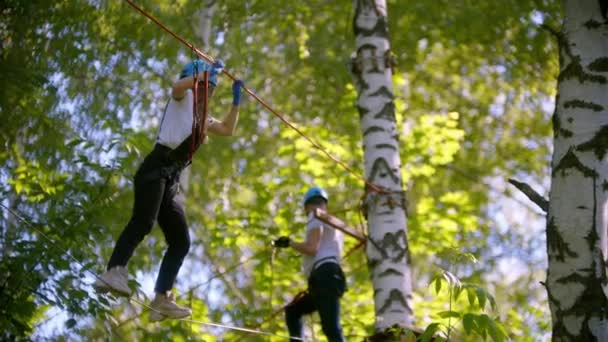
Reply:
x=156 y=184
x=321 y=265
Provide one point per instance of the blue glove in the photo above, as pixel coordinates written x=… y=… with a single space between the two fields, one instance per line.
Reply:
x=236 y=92
x=217 y=67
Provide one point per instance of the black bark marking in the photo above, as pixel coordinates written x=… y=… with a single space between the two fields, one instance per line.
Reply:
x=574 y=277
x=394 y=296
x=373 y=52
x=387 y=112
x=592 y=303
x=381 y=169
x=368 y=8
x=570 y=160
x=558 y=130
x=592 y=24
x=361 y=84
x=570 y=120
x=605 y=185
x=390 y=272
x=389 y=146
x=373 y=129
x=575 y=70
x=604 y=8
x=383 y=91
x=556 y=246
x=598 y=144
x=393 y=246
x=582 y=104
x=592 y=238
x=599 y=65
x=373 y=263
x=379 y=30
x=362 y=111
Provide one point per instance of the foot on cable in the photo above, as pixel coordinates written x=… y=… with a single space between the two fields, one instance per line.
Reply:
x=164 y=306
x=115 y=280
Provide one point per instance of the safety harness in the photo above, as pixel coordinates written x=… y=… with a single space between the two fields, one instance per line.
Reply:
x=181 y=156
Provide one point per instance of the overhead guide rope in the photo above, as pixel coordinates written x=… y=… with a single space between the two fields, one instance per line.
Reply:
x=259 y=100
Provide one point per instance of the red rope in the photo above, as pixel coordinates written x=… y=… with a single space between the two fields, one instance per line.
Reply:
x=193 y=136
x=199 y=123
x=259 y=100
x=203 y=131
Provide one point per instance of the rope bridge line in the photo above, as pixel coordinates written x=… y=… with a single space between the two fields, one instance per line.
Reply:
x=282 y=117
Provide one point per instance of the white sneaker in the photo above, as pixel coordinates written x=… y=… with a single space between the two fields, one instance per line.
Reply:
x=116 y=280
x=165 y=307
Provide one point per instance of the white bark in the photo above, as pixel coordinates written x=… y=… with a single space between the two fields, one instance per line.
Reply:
x=577 y=244
x=387 y=250
x=205 y=19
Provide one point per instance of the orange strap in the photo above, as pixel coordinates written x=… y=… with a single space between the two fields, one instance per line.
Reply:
x=198 y=124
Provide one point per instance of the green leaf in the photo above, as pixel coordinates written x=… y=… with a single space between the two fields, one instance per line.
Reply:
x=468 y=322
x=496 y=331
x=428 y=333
x=481 y=297
x=449 y=314
x=471 y=295
x=457 y=291
x=437 y=285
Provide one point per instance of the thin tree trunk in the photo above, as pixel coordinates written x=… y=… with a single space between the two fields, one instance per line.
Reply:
x=205 y=19
x=388 y=252
x=577 y=246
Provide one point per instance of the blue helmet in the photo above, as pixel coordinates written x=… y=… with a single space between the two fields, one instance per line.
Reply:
x=199 y=66
x=315 y=191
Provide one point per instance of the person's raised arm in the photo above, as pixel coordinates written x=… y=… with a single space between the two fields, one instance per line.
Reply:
x=227 y=126
x=182 y=85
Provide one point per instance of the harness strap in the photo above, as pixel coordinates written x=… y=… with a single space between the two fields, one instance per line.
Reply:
x=194 y=116
x=323 y=261
x=205 y=101
x=199 y=122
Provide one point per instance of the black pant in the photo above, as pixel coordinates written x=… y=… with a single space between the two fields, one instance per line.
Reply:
x=156 y=188
x=326 y=285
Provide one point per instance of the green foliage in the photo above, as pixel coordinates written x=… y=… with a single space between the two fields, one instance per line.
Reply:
x=82 y=88
x=471 y=315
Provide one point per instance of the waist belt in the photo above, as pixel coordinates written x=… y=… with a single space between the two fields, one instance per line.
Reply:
x=324 y=261
x=172 y=169
x=175 y=156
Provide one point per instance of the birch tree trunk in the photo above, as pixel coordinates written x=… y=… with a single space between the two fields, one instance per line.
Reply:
x=577 y=218
x=387 y=250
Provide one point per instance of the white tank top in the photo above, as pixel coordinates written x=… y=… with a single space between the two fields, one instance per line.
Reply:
x=176 y=124
x=330 y=247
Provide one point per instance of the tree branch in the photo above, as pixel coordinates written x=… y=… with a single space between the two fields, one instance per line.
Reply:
x=534 y=196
